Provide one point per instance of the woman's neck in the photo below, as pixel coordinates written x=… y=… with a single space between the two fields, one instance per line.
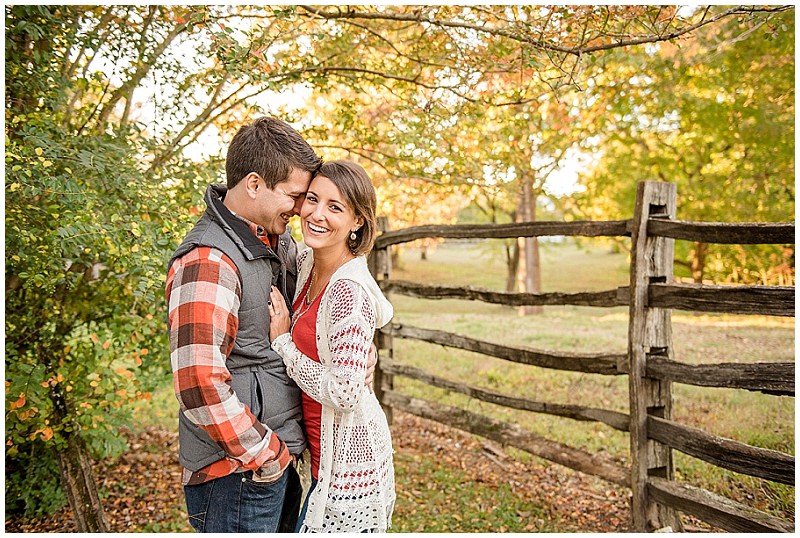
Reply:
x=327 y=261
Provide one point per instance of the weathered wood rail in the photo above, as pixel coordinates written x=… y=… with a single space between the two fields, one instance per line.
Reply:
x=648 y=362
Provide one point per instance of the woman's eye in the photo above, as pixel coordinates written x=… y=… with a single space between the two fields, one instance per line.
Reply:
x=310 y=198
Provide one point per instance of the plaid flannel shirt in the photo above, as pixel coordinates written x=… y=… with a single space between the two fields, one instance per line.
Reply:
x=203 y=293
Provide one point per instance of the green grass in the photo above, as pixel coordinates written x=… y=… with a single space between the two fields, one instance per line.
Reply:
x=753 y=418
x=160 y=411
x=433 y=498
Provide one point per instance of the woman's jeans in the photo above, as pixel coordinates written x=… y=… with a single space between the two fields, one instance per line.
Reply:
x=235 y=503
x=305 y=506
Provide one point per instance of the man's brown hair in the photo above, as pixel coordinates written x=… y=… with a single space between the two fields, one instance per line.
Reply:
x=271 y=148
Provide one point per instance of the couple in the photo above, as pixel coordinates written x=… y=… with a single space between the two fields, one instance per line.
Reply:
x=271 y=351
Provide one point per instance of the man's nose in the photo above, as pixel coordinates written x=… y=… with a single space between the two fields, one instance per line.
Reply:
x=297 y=205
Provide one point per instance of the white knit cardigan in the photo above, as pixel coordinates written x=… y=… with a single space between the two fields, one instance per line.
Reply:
x=355 y=489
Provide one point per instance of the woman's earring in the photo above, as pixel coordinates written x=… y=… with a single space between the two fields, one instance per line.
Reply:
x=353 y=236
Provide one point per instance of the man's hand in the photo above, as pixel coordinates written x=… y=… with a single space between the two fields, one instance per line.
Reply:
x=372 y=360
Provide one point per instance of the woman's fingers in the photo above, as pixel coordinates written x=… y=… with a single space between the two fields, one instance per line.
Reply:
x=276 y=303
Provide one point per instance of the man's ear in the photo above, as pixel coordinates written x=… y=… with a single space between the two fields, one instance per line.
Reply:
x=252 y=184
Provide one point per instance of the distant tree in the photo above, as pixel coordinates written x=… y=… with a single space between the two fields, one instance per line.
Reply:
x=714 y=115
x=441 y=92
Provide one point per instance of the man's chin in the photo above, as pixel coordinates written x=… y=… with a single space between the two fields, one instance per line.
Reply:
x=277 y=230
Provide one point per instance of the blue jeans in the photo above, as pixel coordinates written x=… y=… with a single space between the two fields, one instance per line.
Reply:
x=235 y=503
x=305 y=506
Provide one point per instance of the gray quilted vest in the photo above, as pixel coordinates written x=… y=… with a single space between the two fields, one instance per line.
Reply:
x=258 y=375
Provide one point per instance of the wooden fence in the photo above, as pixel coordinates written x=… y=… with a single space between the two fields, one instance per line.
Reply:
x=649 y=362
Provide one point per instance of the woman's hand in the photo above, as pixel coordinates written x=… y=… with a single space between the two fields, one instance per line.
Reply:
x=279 y=322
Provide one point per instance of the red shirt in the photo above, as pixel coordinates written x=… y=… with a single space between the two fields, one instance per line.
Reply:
x=304 y=335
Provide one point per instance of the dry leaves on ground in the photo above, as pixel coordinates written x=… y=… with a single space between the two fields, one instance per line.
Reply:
x=142 y=489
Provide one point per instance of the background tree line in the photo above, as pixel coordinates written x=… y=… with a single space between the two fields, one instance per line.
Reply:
x=117 y=117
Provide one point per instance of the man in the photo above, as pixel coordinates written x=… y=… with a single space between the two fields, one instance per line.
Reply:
x=240 y=419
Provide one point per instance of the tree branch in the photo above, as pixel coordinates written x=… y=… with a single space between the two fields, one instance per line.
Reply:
x=538 y=43
x=141 y=71
x=201 y=118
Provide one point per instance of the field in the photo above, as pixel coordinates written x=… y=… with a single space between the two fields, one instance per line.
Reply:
x=753 y=418
x=446 y=479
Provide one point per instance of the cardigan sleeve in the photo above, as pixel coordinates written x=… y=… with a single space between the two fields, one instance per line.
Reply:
x=350 y=320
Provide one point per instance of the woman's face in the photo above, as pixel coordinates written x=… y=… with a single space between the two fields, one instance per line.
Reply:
x=327 y=220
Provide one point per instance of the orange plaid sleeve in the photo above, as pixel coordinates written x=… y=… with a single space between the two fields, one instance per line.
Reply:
x=203 y=295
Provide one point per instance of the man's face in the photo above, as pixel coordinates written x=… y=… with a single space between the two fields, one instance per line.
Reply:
x=276 y=206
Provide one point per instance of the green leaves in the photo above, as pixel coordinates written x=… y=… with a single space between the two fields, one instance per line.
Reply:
x=87 y=238
x=716 y=117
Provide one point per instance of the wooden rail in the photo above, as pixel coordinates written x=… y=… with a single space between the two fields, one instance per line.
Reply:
x=649 y=361
x=504 y=231
x=614 y=419
x=768 y=377
x=615 y=297
x=602 y=363
x=510 y=434
x=706 y=232
x=726 y=453
x=735 y=233
x=715 y=509
x=754 y=300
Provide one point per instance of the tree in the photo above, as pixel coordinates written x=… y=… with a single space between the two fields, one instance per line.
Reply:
x=715 y=115
x=86 y=242
x=426 y=71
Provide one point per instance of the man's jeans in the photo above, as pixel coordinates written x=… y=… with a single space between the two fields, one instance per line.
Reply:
x=235 y=503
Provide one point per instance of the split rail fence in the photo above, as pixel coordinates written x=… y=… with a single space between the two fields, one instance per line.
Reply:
x=649 y=362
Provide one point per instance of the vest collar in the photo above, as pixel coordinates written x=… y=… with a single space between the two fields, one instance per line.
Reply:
x=236 y=228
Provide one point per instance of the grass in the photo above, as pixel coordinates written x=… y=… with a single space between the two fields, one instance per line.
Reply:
x=753 y=418
x=449 y=501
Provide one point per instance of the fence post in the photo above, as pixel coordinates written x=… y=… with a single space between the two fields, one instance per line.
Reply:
x=380 y=265
x=649 y=335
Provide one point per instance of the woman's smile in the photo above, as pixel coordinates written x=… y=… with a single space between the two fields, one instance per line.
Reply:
x=317 y=229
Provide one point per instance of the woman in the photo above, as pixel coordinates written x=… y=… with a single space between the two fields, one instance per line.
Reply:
x=337 y=307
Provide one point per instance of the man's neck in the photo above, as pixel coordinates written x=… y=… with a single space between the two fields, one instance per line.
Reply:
x=230 y=203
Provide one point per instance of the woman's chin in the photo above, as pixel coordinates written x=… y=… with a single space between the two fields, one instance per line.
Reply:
x=312 y=242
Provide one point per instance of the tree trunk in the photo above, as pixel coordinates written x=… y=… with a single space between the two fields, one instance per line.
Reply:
x=530 y=281
x=77 y=476
x=512 y=262
x=699 y=261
